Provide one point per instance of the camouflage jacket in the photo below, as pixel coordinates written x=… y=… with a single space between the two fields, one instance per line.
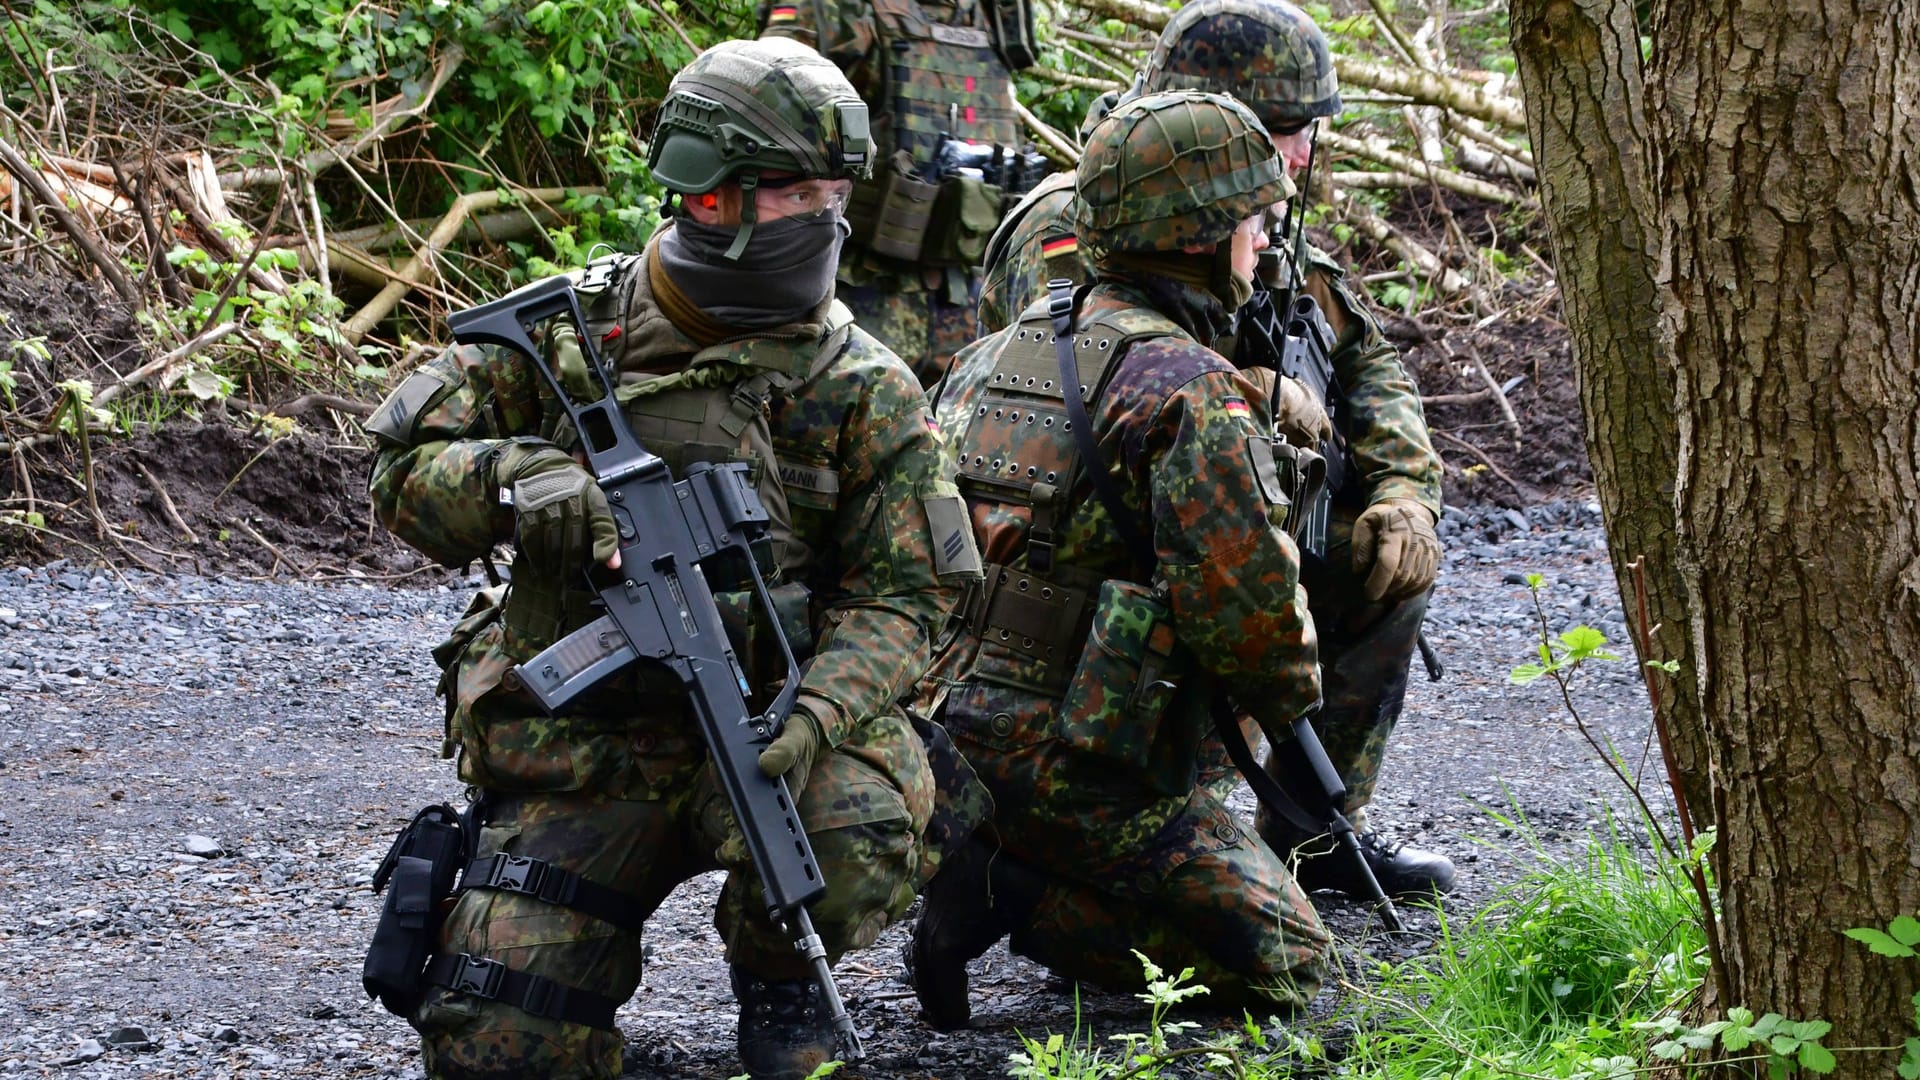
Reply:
x=860 y=432
x=1175 y=427
x=1385 y=425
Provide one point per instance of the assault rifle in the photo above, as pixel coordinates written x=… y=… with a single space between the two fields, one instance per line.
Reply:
x=1014 y=172
x=1298 y=343
x=660 y=608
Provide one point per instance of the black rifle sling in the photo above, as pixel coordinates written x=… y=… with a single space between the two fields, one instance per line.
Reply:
x=1060 y=305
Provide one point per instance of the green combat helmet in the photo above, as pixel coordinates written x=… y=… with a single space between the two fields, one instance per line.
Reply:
x=746 y=107
x=1267 y=53
x=1175 y=170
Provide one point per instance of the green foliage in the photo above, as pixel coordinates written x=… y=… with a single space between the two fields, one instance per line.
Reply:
x=1548 y=979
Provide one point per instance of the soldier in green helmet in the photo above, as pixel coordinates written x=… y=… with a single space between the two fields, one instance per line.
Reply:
x=1369 y=591
x=1130 y=509
x=727 y=346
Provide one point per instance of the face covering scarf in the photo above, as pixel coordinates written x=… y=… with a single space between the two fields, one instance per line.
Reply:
x=783 y=275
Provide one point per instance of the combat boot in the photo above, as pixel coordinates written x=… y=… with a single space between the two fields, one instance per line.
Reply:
x=785 y=1031
x=978 y=897
x=1404 y=873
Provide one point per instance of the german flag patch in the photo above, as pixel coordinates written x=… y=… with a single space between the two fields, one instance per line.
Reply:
x=782 y=13
x=1238 y=407
x=1056 y=246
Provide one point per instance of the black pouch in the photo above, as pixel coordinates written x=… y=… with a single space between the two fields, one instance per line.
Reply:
x=418 y=875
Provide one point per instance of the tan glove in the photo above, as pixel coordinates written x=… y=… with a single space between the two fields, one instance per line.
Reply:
x=1395 y=548
x=793 y=752
x=1300 y=416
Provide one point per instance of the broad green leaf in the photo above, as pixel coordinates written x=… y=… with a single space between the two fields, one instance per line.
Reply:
x=1668 y=1049
x=1905 y=930
x=1879 y=942
x=1811 y=1029
x=1736 y=1039
x=1784 y=1044
x=1817 y=1058
x=1534 y=581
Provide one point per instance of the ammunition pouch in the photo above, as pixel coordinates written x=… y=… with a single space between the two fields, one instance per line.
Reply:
x=418 y=876
x=1120 y=702
x=891 y=215
x=965 y=211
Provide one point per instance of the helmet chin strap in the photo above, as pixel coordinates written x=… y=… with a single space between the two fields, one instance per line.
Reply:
x=749 y=183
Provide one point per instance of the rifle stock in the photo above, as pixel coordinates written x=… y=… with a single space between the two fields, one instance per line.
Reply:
x=660 y=608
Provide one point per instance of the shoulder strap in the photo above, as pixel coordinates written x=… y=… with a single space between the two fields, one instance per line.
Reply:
x=1060 y=305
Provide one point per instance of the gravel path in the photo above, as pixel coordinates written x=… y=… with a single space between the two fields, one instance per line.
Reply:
x=198 y=776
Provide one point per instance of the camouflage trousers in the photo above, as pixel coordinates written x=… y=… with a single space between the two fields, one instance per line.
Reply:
x=1365 y=651
x=923 y=324
x=862 y=836
x=1173 y=875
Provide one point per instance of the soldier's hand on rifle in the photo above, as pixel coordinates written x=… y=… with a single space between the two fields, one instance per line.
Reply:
x=1395 y=547
x=792 y=755
x=561 y=519
x=1299 y=415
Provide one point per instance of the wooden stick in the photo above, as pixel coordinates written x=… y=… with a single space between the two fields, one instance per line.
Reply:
x=333 y=154
x=417 y=267
x=109 y=268
x=1424 y=262
x=307 y=403
x=158 y=367
x=166 y=503
x=1445 y=178
x=1493 y=385
x=1524 y=491
x=1068 y=78
x=1474 y=398
x=1055 y=141
x=278 y=555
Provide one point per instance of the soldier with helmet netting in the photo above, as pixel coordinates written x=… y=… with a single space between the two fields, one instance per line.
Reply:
x=1370 y=586
x=728 y=347
x=1127 y=504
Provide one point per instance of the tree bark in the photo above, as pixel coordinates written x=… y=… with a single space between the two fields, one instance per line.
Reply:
x=1579 y=65
x=1786 y=157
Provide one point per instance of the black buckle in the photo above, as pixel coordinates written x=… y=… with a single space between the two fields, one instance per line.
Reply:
x=540 y=998
x=516 y=873
x=478 y=976
x=1059 y=297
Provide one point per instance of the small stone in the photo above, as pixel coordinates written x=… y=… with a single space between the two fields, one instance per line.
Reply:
x=226 y=1034
x=1513 y=577
x=131 y=1037
x=9 y=617
x=1518 y=520
x=88 y=1050
x=204 y=846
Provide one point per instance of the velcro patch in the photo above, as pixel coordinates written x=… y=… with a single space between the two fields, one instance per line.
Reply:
x=782 y=14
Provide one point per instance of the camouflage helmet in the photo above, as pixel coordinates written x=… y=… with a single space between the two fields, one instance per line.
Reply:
x=1267 y=53
x=1169 y=171
x=743 y=107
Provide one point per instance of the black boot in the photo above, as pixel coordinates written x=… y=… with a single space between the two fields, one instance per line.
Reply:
x=977 y=898
x=785 y=1032
x=1404 y=873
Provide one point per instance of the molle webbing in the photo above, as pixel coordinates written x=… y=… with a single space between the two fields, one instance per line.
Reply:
x=1042 y=617
x=942 y=79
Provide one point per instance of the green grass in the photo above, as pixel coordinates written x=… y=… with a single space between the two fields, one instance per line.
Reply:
x=1547 y=980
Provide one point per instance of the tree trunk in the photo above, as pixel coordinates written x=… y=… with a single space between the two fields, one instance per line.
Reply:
x=1786 y=151
x=1580 y=72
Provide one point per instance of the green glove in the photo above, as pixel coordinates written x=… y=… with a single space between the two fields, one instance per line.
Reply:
x=792 y=754
x=1394 y=545
x=560 y=517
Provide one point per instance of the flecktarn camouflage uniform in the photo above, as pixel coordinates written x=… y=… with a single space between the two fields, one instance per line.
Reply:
x=925 y=67
x=1080 y=691
x=620 y=792
x=1365 y=647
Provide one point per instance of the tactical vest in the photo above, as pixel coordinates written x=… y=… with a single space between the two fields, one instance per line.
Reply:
x=714 y=409
x=1018 y=465
x=936 y=80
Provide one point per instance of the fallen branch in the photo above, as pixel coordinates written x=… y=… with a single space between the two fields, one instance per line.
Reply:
x=159 y=367
x=1499 y=395
x=1424 y=262
x=1432 y=88
x=166 y=503
x=1446 y=178
x=1353 y=178
x=82 y=238
x=278 y=555
x=1524 y=491
x=1064 y=152
x=327 y=157
x=417 y=267
x=1067 y=78
x=307 y=403
x=1474 y=398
